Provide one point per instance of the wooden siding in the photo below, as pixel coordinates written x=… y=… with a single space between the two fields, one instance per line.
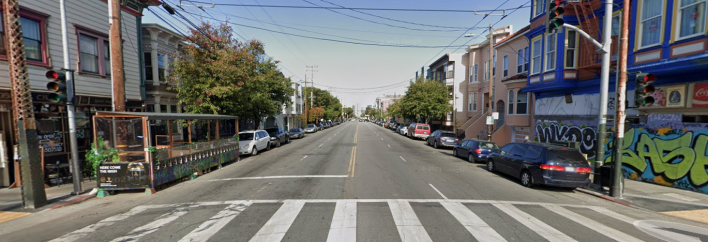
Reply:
x=91 y=14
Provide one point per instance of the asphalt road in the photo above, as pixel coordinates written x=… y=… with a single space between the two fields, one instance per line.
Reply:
x=353 y=182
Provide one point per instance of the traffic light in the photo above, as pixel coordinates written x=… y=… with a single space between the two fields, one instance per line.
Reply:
x=57 y=85
x=644 y=89
x=554 y=14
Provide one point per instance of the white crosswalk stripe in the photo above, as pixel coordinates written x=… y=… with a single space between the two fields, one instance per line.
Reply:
x=343 y=226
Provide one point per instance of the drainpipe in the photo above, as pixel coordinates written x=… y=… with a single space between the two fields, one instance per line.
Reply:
x=139 y=26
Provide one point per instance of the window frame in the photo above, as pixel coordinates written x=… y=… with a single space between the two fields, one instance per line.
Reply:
x=476 y=72
x=552 y=52
x=567 y=48
x=640 y=23
x=677 y=13
x=486 y=71
x=537 y=5
x=450 y=73
x=511 y=101
x=539 y=56
x=506 y=66
x=494 y=65
x=526 y=112
x=100 y=38
x=40 y=17
x=527 y=60
x=520 y=62
x=469 y=101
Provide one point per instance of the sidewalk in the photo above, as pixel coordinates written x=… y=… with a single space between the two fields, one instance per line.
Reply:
x=668 y=200
x=57 y=196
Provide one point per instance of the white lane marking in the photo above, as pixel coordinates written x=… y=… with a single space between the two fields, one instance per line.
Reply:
x=610 y=213
x=153 y=226
x=329 y=139
x=407 y=223
x=473 y=223
x=381 y=138
x=343 y=226
x=320 y=146
x=107 y=222
x=215 y=223
x=303 y=158
x=335 y=134
x=591 y=224
x=681 y=197
x=389 y=146
x=278 y=225
x=541 y=228
x=280 y=177
x=431 y=185
x=377 y=134
x=404 y=160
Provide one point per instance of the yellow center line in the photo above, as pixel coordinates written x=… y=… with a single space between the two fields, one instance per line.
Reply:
x=352 y=159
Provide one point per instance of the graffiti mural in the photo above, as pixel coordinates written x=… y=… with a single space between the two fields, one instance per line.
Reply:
x=561 y=131
x=667 y=156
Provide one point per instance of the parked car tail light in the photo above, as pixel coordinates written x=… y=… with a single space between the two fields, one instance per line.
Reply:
x=552 y=167
x=478 y=151
x=456 y=139
x=440 y=138
x=583 y=169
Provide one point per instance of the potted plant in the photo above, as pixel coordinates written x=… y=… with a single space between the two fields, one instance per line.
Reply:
x=100 y=152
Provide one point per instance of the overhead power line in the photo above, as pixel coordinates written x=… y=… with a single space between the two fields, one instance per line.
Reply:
x=396 y=20
x=356 y=8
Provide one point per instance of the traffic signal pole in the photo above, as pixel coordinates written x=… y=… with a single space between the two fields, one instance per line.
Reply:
x=70 y=110
x=616 y=189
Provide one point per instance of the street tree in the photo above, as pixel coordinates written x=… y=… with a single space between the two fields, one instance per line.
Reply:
x=426 y=99
x=332 y=107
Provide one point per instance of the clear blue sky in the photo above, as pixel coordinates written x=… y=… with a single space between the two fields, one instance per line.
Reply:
x=352 y=71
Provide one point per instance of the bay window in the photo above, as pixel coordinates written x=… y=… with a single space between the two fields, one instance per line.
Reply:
x=691 y=18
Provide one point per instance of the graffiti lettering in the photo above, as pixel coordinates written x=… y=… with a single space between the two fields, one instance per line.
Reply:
x=561 y=132
x=677 y=160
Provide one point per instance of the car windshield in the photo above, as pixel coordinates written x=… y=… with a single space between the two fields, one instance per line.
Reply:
x=245 y=136
x=564 y=155
x=311 y=126
x=447 y=135
x=294 y=130
x=488 y=145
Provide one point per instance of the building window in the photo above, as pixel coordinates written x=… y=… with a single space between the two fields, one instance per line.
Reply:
x=494 y=65
x=520 y=62
x=650 y=25
x=526 y=59
x=147 y=56
x=474 y=101
x=469 y=102
x=550 y=52
x=486 y=70
x=521 y=102
x=450 y=70
x=511 y=102
x=616 y=25
x=506 y=65
x=33 y=34
x=691 y=18
x=161 y=67
x=537 y=7
x=163 y=108
x=94 y=55
x=476 y=73
x=536 y=57
x=570 y=49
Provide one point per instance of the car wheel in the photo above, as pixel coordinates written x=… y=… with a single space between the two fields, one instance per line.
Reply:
x=454 y=153
x=287 y=140
x=490 y=166
x=255 y=151
x=470 y=159
x=268 y=146
x=435 y=145
x=526 y=178
x=277 y=144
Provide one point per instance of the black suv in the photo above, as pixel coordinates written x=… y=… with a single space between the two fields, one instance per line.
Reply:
x=278 y=136
x=535 y=163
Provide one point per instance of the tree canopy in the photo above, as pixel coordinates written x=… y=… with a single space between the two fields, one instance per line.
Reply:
x=332 y=107
x=425 y=99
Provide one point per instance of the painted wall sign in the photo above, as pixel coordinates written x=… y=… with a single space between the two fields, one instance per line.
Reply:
x=663 y=118
x=699 y=98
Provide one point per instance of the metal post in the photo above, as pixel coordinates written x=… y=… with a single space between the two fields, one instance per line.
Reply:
x=491 y=98
x=604 y=83
x=70 y=110
x=31 y=170
x=616 y=189
x=307 y=117
x=116 y=56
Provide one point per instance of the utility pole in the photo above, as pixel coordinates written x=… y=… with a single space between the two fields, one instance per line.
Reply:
x=491 y=63
x=27 y=145
x=307 y=117
x=312 y=70
x=70 y=110
x=604 y=83
x=117 y=76
x=616 y=189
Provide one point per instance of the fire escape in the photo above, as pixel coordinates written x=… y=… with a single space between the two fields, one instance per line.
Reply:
x=589 y=60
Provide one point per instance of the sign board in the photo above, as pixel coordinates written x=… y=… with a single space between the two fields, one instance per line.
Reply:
x=490 y=120
x=123 y=175
x=655 y=119
x=671 y=232
x=495 y=115
x=699 y=98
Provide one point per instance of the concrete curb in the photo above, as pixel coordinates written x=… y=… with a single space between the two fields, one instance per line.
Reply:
x=74 y=201
x=603 y=196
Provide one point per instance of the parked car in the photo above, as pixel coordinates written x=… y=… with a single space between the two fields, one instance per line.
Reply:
x=542 y=164
x=403 y=130
x=250 y=142
x=441 y=138
x=475 y=150
x=419 y=130
x=320 y=126
x=311 y=128
x=296 y=133
x=278 y=136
